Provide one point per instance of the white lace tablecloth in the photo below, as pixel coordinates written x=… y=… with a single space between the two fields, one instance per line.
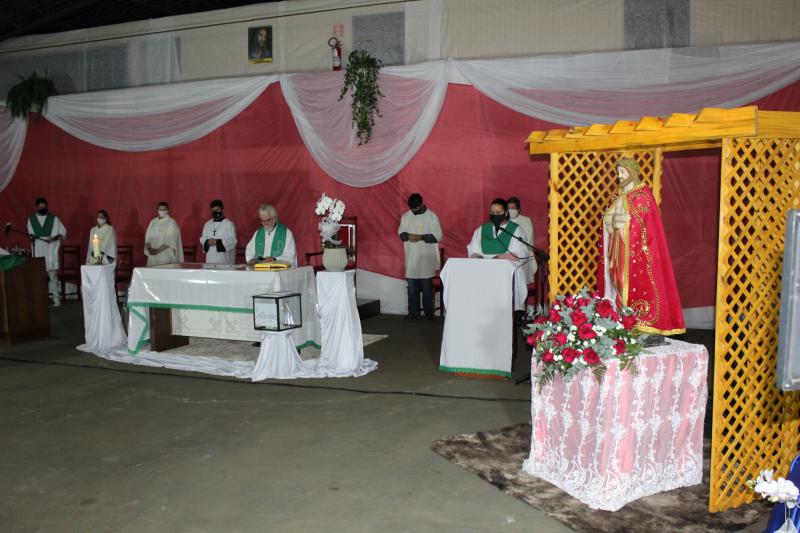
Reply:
x=631 y=436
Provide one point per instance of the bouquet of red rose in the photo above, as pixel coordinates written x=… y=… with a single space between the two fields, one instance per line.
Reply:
x=583 y=331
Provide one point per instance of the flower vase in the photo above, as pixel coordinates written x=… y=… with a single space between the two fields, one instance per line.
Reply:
x=334 y=259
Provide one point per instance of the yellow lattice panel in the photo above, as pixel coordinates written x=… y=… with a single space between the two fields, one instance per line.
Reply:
x=755 y=425
x=582 y=186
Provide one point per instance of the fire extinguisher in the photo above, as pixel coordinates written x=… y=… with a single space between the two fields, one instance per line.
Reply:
x=336 y=53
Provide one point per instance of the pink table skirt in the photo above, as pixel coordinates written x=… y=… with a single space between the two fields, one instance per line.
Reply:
x=631 y=436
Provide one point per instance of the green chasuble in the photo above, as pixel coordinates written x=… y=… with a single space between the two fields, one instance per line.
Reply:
x=38 y=229
x=496 y=246
x=278 y=242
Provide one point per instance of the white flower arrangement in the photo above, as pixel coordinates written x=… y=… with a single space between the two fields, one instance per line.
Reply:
x=334 y=208
x=775 y=490
x=332 y=211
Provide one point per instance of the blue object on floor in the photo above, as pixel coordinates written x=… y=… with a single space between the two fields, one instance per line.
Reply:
x=778 y=516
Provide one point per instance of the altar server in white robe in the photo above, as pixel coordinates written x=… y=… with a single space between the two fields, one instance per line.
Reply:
x=162 y=241
x=273 y=241
x=526 y=224
x=491 y=242
x=420 y=232
x=47 y=232
x=108 y=240
x=219 y=237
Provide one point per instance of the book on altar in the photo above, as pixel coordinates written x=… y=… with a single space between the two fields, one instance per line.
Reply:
x=273 y=265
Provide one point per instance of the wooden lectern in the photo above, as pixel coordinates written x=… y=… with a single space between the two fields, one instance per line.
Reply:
x=24 y=304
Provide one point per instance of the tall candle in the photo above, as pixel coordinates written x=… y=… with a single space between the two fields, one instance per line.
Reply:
x=96 y=246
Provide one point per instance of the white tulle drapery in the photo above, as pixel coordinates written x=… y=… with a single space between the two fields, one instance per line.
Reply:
x=583 y=89
x=154 y=118
x=12 y=139
x=568 y=90
x=413 y=96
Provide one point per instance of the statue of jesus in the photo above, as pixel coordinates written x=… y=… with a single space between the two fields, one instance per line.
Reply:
x=635 y=269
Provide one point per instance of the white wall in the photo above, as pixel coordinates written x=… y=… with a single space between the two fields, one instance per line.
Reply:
x=214 y=44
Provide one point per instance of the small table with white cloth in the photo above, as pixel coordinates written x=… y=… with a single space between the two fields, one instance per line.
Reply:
x=215 y=301
x=101 y=319
x=479 y=323
x=342 y=353
x=630 y=436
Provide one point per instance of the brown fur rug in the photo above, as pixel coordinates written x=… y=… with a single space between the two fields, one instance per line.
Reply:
x=496 y=456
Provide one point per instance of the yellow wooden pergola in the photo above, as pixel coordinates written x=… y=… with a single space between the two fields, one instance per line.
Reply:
x=755 y=425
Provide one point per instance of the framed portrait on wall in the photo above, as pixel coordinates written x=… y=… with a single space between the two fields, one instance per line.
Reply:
x=259 y=44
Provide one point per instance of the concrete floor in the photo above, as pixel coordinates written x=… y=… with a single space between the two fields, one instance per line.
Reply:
x=90 y=445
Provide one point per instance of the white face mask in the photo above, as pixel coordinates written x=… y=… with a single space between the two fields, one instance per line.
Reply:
x=162 y=214
x=513 y=213
x=101 y=221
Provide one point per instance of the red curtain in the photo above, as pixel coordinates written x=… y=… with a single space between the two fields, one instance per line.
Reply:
x=475 y=152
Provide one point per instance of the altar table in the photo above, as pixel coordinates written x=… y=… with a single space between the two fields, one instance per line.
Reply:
x=215 y=301
x=631 y=436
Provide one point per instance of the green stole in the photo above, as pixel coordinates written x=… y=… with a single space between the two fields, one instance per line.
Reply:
x=496 y=246
x=278 y=242
x=38 y=229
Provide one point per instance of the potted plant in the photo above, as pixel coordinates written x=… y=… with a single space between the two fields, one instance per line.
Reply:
x=361 y=80
x=334 y=253
x=30 y=94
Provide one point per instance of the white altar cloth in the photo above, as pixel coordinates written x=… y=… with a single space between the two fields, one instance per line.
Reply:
x=631 y=436
x=478 y=326
x=342 y=351
x=101 y=320
x=221 y=297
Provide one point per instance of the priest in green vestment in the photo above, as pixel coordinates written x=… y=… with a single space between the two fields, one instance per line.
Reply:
x=47 y=232
x=273 y=241
x=493 y=240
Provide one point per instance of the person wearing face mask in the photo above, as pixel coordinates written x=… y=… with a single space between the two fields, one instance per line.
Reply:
x=493 y=240
x=162 y=240
x=108 y=240
x=47 y=232
x=219 y=237
x=273 y=241
x=420 y=232
x=525 y=223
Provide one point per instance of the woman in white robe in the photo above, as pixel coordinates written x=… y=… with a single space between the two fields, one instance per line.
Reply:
x=162 y=241
x=108 y=241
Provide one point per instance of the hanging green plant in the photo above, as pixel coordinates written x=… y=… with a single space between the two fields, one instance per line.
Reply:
x=30 y=94
x=361 y=79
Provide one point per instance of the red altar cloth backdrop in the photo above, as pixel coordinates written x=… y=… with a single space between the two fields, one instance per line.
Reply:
x=474 y=153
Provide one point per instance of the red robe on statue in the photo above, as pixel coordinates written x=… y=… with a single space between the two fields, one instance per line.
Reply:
x=641 y=277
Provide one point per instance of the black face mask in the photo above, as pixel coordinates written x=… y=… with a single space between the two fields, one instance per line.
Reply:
x=42 y=211
x=497 y=220
x=217 y=215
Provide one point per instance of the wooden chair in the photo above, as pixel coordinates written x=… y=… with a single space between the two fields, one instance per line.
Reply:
x=124 y=270
x=189 y=253
x=241 y=258
x=348 y=232
x=537 y=289
x=69 y=268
